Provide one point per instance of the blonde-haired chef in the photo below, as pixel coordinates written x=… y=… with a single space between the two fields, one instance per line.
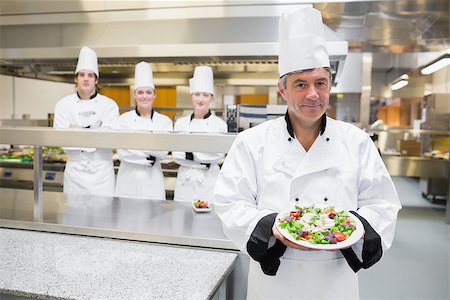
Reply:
x=198 y=171
x=88 y=170
x=140 y=174
x=304 y=158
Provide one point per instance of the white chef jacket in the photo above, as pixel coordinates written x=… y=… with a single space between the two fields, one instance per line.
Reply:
x=141 y=176
x=267 y=171
x=88 y=170
x=197 y=176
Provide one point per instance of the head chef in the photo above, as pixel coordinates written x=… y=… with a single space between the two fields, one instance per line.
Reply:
x=304 y=67
x=86 y=73
x=305 y=159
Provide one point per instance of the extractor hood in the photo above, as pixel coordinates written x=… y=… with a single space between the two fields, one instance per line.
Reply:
x=239 y=39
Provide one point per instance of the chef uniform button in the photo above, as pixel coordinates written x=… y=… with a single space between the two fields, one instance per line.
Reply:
x=289 y=139
x=325 y=199
x=327 y=139
x=296 y=199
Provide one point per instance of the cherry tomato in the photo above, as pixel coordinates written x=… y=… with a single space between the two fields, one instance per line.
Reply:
x=295 y=214
x=339 y=236
x=305 y=235
x=330 y=213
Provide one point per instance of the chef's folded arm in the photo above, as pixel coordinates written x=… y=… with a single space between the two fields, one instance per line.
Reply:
x=208 y=158
x=196 y=159
x=137 y=157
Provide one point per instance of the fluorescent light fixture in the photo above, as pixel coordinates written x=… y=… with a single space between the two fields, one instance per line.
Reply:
x=436 y=65
x=399 y=84
x=56 y=72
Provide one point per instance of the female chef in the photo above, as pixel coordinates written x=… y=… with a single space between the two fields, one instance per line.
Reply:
x=140 y=174
x=88 y=170
x=304 y=157
x=198 y=171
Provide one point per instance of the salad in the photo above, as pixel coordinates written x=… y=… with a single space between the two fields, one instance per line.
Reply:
x=318 y=225
x=199 y=204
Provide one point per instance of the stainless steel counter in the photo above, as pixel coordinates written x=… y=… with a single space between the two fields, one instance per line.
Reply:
x=125 y=218
x=413 y=166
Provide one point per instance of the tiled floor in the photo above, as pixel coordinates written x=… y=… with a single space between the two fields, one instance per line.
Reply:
x=417 y=265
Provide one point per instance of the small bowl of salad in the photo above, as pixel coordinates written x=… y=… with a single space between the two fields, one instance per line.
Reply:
x=201 y=206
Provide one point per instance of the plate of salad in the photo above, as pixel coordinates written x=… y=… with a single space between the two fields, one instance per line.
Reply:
x=322 y=227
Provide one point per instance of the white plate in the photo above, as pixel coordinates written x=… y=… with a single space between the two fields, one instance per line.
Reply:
x=352 y=239
x=201 y=209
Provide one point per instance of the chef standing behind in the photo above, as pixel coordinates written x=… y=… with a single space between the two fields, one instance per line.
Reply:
x=304 y=157
x=88 y=170
x=140 y=174
x=198 y=171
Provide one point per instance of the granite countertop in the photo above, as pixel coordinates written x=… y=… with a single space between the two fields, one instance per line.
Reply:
x=49 y=265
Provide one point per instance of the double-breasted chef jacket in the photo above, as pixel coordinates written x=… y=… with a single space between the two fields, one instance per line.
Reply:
x=88 y=170
x=198 y=171
x=267 y=171
x=140 y=174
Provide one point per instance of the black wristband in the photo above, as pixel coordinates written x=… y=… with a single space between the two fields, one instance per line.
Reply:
x=151 y=159
x=189 y=156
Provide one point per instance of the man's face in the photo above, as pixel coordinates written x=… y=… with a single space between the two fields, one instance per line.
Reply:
x=86 y=81
x=201 y=100
x=144 y=97
x=307 y=94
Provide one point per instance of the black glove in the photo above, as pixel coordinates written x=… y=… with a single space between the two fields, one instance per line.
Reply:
x=258 y=246
x=372 y=249
x=151 y=159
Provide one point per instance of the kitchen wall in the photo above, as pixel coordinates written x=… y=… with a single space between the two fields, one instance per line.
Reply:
x=32 y=97
x=6 y=97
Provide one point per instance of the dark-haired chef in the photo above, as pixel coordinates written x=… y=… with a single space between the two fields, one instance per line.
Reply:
x=304 y=158
x=198 y=171
x=140 y=174
x=88 y=170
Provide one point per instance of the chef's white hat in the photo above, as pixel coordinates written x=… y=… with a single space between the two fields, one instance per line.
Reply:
x=87 y=60
x=202 y=81
x=143 y=75
x=302 y=41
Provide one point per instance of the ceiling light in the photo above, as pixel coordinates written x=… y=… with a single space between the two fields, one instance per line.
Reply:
x=399 y=84
x=56 y=72
x=438 y=64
